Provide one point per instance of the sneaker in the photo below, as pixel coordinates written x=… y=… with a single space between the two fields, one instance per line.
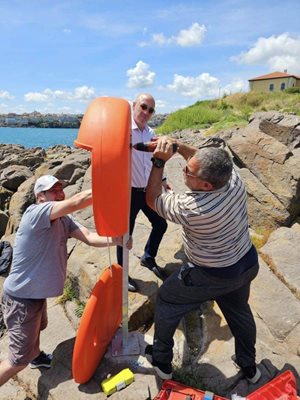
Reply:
x=251 y=373
x=164 y=371
x=151 y=264
x=42 y=360
x=132 y=285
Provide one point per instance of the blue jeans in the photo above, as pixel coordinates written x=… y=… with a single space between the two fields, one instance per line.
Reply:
x=186 y=291
x=159 y=224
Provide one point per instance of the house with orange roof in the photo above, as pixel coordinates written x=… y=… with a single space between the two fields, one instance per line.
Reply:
x=274 y=82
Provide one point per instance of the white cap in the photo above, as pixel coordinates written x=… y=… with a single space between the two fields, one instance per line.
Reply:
x=45 y=182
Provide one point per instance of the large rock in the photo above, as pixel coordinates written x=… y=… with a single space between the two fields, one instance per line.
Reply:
x=272 y=163
x=18 y=204
x=282 y=253
x=12 y=176
x=18 y=155
x=284 y=128
x=5 y=196
x=264 y=209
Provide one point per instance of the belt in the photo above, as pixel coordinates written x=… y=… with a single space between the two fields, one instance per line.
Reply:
x=143 y=189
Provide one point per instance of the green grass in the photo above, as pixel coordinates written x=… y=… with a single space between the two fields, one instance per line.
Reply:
x=79 y=309
x=71 y=293
x=229 y=112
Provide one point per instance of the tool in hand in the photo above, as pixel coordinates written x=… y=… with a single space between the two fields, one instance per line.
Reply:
x=151 y=146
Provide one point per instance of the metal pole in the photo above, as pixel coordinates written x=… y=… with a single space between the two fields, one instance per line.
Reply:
x=125 y=291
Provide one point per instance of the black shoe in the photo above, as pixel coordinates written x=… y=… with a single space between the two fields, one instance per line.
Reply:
x=42 y=360
x=164 y=371
x=151 y=264
x=132 y=285
x=251 y=373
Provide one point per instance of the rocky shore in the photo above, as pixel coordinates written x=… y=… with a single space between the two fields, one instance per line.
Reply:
x=267 y=155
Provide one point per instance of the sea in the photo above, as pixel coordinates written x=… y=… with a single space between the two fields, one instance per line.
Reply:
x=38 y=137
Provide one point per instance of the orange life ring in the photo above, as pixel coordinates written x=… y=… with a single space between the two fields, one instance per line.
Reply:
x=106 y=131
x=99 y=322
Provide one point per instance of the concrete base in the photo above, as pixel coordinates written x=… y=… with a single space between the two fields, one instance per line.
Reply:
x=131 y=347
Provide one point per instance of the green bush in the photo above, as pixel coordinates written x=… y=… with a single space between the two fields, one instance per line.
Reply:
x=293 y=90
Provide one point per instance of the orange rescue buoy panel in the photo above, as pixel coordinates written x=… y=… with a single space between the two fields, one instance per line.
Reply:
x=106 y=131
x=99 y=322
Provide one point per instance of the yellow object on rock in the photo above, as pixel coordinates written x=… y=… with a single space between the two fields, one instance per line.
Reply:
x=117 y=382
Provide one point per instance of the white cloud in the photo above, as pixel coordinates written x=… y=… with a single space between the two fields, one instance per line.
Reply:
x=4 y=94
x=160 y=104
x=237 y=85
x=192 y=36
x=67 y=31
x=161 y=39
x=278 y=52
x=35 y=96
x=82 y=94
x=201 y=86
x=140 y=76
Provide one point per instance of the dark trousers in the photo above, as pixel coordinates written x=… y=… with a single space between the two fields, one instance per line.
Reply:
x=186 y=291
x=159 y=224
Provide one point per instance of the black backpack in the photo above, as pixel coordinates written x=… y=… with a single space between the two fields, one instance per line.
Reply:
x=6 y=252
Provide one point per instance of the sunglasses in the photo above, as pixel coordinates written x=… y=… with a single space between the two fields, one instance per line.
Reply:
x=188 y=173
x=144 y=107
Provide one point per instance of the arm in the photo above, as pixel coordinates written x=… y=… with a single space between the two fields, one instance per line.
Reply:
x=93 y=239
x=74 y=203
x=164 y=151
x=185 y=150
x=154 y=187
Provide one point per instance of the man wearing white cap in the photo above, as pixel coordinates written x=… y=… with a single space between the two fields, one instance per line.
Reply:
x=38 y=270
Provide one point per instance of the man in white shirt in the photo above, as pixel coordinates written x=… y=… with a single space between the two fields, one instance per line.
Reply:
x=143 y=109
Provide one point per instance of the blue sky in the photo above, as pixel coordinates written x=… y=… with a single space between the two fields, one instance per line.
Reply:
x=56 y=56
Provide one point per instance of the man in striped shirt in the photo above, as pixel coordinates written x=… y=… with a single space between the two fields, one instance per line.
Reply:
x=222 y=260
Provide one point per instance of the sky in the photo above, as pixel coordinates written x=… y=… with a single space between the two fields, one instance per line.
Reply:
x=57 y=56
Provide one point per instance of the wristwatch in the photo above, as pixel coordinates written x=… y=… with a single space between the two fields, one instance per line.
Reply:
x=158 y=162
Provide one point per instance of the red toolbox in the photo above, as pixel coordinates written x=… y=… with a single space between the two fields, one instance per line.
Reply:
x=283 y=387
x=172 y=390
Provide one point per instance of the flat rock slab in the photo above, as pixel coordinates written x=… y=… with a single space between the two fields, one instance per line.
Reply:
x=282 y=253
x=274 y=303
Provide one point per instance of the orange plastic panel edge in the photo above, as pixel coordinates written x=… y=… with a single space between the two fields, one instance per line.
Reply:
x=99 y=322
x=106 y=131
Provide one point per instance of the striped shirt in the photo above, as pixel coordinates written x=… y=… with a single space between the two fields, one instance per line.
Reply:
x=215 y=223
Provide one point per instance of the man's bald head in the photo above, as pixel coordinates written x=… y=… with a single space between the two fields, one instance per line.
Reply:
x=143 y=109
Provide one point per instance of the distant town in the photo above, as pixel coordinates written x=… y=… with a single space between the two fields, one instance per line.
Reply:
x=38 y=120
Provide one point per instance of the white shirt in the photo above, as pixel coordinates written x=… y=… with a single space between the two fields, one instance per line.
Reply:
x=141 y=160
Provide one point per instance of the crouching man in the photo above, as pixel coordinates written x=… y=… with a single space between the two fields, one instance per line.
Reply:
x=38 y=270
x=222 y=260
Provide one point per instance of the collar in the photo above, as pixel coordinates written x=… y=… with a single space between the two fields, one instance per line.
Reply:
x=134 y=126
